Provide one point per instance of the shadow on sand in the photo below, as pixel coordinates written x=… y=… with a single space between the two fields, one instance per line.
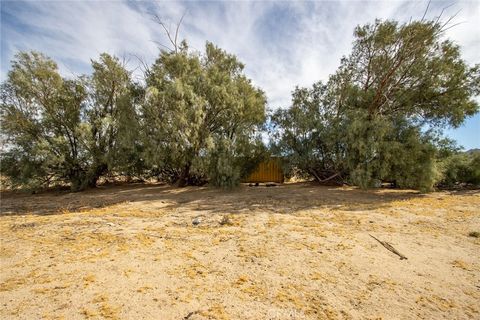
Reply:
x=286 y=198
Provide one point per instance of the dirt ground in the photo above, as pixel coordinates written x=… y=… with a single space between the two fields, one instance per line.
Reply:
x=295 y=251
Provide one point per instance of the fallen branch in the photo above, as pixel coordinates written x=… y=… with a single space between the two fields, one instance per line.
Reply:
x=329 y=178
x=190 y=314
x=389 y=247
x=154 y=235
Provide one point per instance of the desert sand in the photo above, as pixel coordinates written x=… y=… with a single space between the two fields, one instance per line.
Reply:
x=295 y=251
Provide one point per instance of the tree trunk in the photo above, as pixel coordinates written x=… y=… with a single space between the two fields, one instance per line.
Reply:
x=76 y=178
x=92 y=181
x=95 y=175
x=183 y=180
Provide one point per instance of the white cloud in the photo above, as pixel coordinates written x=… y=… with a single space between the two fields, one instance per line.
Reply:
x=282 y=44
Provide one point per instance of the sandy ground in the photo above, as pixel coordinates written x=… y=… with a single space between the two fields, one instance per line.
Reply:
x=295 y=251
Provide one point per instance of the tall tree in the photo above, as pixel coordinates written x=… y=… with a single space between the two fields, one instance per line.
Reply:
x=112 y=117
x=310 y=134
x=399 y=81
x=401 y=78
x=73 y=131
x=200 y=108
x=41 y=116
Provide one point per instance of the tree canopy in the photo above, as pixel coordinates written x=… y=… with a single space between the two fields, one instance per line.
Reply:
x=195 y=117
x=202 y=115
x=379 y=115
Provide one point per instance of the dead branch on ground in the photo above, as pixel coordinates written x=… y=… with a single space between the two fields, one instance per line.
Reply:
x=389 y=247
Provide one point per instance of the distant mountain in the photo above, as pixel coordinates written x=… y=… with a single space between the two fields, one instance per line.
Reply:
x=473 y=151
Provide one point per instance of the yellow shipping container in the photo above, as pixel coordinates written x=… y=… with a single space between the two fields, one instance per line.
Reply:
x=267 y=171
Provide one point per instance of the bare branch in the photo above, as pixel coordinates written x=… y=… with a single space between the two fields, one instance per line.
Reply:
x=453 y=25
x=161 y=45
x=167 y=31
x=178 y=26
x=172 y=38
x=441 y=13
x=448 y=20
x=143 y=64
x=426 y=10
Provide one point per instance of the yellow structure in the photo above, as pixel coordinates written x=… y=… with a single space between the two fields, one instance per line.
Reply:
x=267 y=171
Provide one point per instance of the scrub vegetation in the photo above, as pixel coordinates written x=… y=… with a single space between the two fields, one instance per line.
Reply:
x=196 y=118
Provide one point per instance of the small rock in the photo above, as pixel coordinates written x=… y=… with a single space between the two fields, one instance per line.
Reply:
x=226 y=221
x=110 y=224
x=196 y=221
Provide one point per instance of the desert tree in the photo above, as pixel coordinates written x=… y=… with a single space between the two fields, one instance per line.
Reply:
x=67 y=130
x=308 y=135
x=200 y=111
x=458 y=167
x=402 y=79
x=41 y=120
x=398 y=89
x=113 y=120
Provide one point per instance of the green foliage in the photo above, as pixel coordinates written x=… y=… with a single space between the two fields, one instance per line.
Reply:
x=113 y=120
x=198 y=118
x=61 y=130
x=463 y=168
x=395 y=151
x=201 y=115
x=309 y=135
x=366 y=125
x=41 y=116
x=223 y=169
x=409 y=70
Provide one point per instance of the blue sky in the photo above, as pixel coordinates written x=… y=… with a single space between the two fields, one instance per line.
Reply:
x=283 y=44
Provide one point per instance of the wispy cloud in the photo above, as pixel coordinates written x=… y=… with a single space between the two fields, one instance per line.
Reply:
x=283 y=44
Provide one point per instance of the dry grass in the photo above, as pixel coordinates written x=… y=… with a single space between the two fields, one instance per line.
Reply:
x=293 y=251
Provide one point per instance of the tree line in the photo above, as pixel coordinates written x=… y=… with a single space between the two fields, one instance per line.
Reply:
x=380 y=117
x=196 y=117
